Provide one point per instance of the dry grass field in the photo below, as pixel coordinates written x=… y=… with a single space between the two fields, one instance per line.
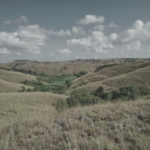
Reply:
x=15 y=77
x=29 y=121
x=16 y=106
x=6 y=86
x=10 y=81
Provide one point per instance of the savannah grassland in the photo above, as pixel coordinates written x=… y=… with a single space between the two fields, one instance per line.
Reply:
x=29 y=121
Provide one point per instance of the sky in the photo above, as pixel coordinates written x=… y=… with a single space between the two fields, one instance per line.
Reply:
x=59 y=30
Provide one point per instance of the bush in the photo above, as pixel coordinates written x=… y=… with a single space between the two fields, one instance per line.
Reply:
x=99 y=91
x=60 y=105
x=106 y=96
x=129 y=92
x=125 y=93
x=115 y=95
x=23 y=89
x=29 y=90
x=82 y=99
x=68 y=83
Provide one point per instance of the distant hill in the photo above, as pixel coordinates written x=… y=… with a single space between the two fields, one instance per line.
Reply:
x=65 y=67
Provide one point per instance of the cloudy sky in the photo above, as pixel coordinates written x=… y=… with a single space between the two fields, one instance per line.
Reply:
x=56 y=30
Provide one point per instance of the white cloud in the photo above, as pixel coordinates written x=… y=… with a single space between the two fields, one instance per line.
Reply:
x=26 y=39
x=18 y=53
x=112 y=25
x=91 y=19
x=78 y=30
x=84 y=42
x=62 y=52
x=20 y=20
x=4 y=51
x=96 y=42
x=102 y=27
x=134 y=39
x=99 y=27
x=60 y=33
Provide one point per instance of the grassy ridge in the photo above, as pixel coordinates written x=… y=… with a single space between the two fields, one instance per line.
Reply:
x=134 y=73
x=15 y=77
x=6 y=86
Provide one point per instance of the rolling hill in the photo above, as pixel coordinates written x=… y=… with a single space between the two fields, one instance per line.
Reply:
x=64 y=67
x=114 y=77
x=15 y=77
x=6 y=86
x=10 y=81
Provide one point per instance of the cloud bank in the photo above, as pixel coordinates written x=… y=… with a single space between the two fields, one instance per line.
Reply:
x=93 y=38
x=26 y=39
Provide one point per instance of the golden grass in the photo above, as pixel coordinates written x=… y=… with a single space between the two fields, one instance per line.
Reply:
x=22 y=106
x=31 y=122
x=6 y=86
x=15 y=77
x=112 y=78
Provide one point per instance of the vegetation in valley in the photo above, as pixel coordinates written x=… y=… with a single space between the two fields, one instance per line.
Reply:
x=112 y=114
x=47 y=83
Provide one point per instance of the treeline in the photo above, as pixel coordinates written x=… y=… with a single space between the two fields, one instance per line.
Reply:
x=100 y=96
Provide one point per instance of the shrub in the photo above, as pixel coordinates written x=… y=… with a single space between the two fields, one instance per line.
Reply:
x=29 y=90
x=125 y=94
x=99 y=91
x=129 y=92
x=23 y=89
x=115 y=95
x=60 y=105
x=82 y=99
x=68 y=83
x=106 y=96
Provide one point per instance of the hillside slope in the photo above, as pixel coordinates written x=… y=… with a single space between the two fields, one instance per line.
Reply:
x=15 y=77
x=6 y=86
x=114 y=77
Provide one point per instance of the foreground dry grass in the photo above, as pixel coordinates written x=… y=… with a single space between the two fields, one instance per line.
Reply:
x=110 y=126
x=16 y=107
